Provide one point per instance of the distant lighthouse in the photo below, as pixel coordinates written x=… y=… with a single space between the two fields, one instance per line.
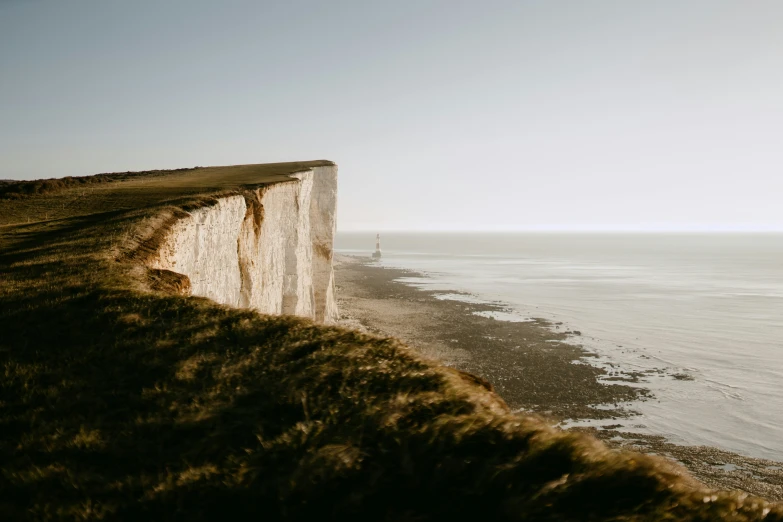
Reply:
x=377 y=253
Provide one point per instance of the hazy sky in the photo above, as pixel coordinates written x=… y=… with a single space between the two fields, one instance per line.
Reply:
x=441 y=114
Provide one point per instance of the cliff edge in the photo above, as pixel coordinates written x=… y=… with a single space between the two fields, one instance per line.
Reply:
x=269 y=249
x=140 y=381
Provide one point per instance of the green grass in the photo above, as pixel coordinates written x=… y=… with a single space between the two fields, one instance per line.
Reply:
x=120 y=402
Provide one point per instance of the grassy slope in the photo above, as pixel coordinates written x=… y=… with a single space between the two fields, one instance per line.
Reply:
x=125 y=403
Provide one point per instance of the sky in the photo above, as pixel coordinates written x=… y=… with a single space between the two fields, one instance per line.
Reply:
x=441 y=114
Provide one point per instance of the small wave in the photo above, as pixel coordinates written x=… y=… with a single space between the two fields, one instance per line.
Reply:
x=462 y=298
x=509 y=317
x=724 y=385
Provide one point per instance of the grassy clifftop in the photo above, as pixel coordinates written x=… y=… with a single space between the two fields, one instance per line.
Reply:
x=119 y=401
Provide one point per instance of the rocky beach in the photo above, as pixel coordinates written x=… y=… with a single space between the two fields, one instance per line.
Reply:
x=533 y=365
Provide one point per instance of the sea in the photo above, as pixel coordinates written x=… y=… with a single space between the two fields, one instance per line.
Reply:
x=700 y=316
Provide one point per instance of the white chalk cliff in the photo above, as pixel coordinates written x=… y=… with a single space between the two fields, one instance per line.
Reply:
x=269 y=249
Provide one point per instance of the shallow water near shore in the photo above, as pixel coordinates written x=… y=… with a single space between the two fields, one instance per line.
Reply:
x=699 y=318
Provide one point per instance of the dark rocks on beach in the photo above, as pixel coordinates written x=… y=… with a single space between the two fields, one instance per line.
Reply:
x=540 y=379
x=543 y=378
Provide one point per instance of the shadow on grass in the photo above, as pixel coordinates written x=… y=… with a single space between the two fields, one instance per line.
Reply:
x=139 y=407
x=117 y=404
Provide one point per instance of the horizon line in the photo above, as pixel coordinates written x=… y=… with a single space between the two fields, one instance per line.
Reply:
x=570 y=230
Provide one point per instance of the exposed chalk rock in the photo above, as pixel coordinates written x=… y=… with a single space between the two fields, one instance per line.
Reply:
x=269 y=249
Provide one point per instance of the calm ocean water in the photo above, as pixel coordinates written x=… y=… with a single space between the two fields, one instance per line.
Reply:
x=707 y=306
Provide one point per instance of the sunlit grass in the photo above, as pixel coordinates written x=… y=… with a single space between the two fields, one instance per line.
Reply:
x=118 y=401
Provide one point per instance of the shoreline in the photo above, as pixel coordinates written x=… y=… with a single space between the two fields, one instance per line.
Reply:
x=530 y=365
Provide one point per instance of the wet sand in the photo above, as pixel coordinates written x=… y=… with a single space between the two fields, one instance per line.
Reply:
x=529 y=365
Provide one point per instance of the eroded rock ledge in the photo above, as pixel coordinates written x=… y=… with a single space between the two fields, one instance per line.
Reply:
x=269 y=249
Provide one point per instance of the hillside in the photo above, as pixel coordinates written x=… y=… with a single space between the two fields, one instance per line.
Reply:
x=125 y=398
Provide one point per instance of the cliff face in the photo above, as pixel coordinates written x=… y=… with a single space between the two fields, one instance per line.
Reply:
x=269 y=249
